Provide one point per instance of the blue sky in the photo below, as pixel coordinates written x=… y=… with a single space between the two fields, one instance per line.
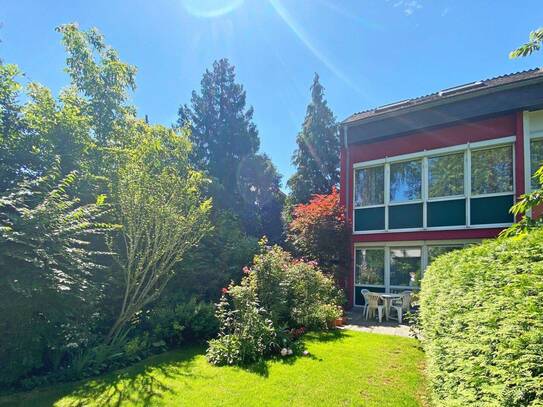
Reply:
x=368 y=53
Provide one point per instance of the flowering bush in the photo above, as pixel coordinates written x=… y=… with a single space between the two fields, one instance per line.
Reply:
x=277 y=300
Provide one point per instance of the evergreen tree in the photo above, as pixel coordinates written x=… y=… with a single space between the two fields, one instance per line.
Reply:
x=226 y=143
x=317 y=156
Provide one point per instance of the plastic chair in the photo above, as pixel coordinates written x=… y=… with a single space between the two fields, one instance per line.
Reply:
x=401 y=305
x=373 y=304
x=365 y=293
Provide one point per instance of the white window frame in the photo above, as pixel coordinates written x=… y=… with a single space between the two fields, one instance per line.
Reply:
x=422 y=244
x=424 y=155
x=529 y=135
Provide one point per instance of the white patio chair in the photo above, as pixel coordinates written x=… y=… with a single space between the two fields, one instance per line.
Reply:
x=373 y=304
x=365 y=293
x=401 y=305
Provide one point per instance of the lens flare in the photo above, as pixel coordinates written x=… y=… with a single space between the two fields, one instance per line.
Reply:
x=304 y=38
x=211 y=8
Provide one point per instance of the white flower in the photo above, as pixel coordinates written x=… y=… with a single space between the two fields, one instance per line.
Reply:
x=284 y=352
x=290 y=351
x=306 y=353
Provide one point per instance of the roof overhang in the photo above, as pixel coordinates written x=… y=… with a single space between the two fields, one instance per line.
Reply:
x=524 y=95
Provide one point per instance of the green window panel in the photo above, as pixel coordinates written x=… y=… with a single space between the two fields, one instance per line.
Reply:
x=369 y=219
x=405 y=216
x=490 y=210
x=446 y=213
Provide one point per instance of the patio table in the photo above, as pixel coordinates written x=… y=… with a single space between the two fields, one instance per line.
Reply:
x=387 y=299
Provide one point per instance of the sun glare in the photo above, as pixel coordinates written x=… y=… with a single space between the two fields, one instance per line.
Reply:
x=211 y=8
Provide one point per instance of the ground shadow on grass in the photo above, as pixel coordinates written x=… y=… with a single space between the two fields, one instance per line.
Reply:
x=261 y=367
x=144 y=383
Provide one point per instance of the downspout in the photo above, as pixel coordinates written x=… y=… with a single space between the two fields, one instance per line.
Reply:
x=347 y=172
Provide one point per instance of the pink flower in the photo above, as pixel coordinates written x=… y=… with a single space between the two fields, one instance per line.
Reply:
x=246 y=270
x=224 y=290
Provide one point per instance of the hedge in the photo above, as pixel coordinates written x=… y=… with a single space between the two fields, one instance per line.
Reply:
x=482 y=324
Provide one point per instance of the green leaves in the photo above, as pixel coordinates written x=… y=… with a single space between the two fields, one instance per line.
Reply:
x=533 y=45
x=481 y=322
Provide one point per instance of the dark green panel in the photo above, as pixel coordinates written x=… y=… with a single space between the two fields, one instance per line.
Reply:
x=369 y=219
x=446 y=213
x=359 y=299
x=405 y=216
x=495 y=209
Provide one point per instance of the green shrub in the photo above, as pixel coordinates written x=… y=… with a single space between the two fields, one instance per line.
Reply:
x=276 y=296
x=295 y=293
x=482 y=324
x=176 y=320
x=246 y=335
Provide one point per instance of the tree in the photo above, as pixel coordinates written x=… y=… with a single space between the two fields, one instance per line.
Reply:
x=162 y=214
x=222 y=129
x=226 y=147
x=317 y=156
x=319 y=232
x=533 y=45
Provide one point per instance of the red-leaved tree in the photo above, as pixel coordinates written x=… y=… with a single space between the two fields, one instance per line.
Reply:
x=318 y=231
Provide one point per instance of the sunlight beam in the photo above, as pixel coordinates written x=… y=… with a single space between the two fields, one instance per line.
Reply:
x=304 y=38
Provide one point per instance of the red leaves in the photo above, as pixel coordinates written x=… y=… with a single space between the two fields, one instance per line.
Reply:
x=321 y=208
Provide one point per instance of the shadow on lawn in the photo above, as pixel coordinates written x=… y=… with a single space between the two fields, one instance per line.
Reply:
x=261 y=367
x=143 y=384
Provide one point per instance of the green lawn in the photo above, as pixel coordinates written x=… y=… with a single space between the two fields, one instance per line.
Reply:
x=344 y=368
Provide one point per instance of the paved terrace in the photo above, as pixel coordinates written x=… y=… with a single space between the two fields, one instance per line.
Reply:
x=356 y=322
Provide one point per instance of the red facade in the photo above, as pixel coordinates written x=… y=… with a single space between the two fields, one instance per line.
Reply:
x=451 y=135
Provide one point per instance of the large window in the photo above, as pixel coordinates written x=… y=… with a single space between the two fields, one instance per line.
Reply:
x=370 y=186
x=492 y=170
x=370 y=267
x=457 y=187
x=405 y=266
x=536 y=160
x=395 y=267
x=406 y=181
x=446 y=175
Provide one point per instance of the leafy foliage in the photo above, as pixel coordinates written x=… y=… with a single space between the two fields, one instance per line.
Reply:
x=317 y=156
x=481 y=323
x=525 y=208
x=47 y=284
x=277 y=293
x=533 y=45
x=319 y=232
x=162 y=214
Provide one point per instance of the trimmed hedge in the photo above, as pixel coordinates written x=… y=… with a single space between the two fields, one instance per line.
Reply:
x=482 y=324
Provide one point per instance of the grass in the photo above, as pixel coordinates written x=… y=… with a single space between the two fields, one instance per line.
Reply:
x=344 y=368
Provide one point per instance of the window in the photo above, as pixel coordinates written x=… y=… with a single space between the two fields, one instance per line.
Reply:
x=406 y=181
x=536 y=160
x=454 y=187
x=446 y=175
x=435 y=251
x=492 y=170
x=370 y=266
x=370 y=186
x=405 y=266
x=394 y=267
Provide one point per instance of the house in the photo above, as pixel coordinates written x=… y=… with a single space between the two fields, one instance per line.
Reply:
x=425 y=176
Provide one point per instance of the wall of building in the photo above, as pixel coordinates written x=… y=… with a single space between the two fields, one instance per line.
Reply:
x=456 y=134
